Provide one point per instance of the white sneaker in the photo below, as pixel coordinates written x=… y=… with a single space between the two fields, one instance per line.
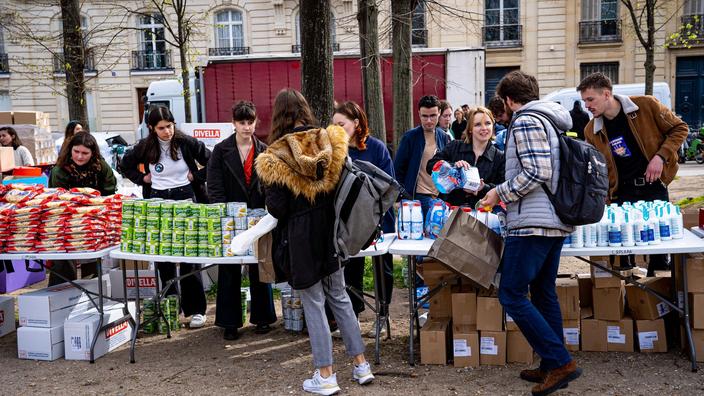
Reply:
x=363 y=373
x=320 y=385
x=197 y=321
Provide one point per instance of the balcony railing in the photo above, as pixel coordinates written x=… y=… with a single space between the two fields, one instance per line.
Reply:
x=228 y=51
x=502 y=36
x=88 y=62
x=296 y=48
x=604 y=31
x=151 y=61
x=419 y=37
x=4 y=64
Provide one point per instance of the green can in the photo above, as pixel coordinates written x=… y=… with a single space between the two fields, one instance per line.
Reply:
x=127 y=234
x=153 y=208
x=126 y=246
x=166 y=209
x=127 y=222
x=140 y=221
x=165 y=249
x=140 y=207
x=215 y=210
x=177 y=249
x=152 y=236
x=211 y=238
x=128 y=208
x=215 y=250
x=190 y=237
x=191 y=223
x=138 y=247
x=153 y=222
x=178 y=237
x=197 y=210
x=140 y=235
x=203 y=250
x=166 y=236
x=213 y=224
x=190 y=250
x=152 y=248
x=166 y=223
x=179 y=224
x=202 y=224
x=182 y=208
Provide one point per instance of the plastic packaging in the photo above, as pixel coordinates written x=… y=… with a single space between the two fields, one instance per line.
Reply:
x=653 y=228
x=590 y=238
x=577 y=237
x=602 y=231
x=664 y=222
x=435 y=219
x=676 y=223
x=640 y=231
x=614 y=230
x=416 y=221
x=404 y=220
x=627 y=238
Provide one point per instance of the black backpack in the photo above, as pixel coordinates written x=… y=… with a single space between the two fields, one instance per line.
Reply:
x=583 y=183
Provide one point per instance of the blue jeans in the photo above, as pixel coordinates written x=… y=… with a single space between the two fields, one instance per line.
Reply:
x=424 y=202
x=532 y=261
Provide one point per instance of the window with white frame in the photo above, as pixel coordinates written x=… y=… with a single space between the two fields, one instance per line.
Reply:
x=502 y=23
x=419 y=30
x=610 y=69
x=333 y=33
x=600 y=21
x=152 y=53
x=693 y=7
x=229 y=33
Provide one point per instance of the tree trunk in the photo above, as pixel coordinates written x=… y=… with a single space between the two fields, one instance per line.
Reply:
x=402 y=85
x=367 y=16
x=183 y=41
x=74 y=62
x=650 y=48
x=316 y=58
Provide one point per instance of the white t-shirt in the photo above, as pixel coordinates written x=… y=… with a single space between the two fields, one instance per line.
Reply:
x=168 y=173
x=23 y=157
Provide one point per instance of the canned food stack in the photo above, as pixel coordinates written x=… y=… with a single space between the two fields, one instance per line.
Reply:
x=233 y=224
x=292 y=309
x=39 y=219
x=170 y=308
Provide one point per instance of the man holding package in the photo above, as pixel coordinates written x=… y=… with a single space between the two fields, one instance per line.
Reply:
x=639 y=138
x=535 y=233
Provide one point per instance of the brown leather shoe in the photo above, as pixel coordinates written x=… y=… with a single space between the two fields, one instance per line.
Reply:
x=557 y=379
x=534 y=375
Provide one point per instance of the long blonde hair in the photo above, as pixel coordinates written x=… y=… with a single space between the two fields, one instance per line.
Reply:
x=470 y=121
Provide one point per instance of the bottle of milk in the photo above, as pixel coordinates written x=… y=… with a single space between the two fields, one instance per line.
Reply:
x=416 y=221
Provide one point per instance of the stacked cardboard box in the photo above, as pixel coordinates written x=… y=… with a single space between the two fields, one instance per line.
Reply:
x=79 y=331
x=569 y=297
x=34 y=129
x=436 y=334
x=465 y=339
x=695 y=287
x=7 y=315
x=492 y=336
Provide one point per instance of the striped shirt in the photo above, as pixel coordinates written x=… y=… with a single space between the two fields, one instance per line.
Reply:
x=533 y=149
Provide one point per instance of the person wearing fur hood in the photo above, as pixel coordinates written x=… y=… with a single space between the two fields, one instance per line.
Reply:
x=300 y=171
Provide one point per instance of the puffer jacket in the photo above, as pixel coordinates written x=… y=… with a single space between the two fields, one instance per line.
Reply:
x=300 y=172
x=656 y=128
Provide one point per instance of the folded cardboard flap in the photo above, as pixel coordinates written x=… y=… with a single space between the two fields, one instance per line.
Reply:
x=644 y=305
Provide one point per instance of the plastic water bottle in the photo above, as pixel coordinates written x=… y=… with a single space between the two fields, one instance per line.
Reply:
x=577 y=240
x=435 y=219
x=664 y=221
x=676 y=223
x=640 y=231
x=602 y=231
x=653 y=228
x=627 y=238
x=416 y=221
x=404 y=220
x=614 y=230
x=590 y=238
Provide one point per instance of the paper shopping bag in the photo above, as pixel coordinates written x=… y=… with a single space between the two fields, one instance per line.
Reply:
x=469 y=247
x=265 y=264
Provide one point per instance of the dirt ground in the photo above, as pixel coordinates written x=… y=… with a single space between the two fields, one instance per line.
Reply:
x=201 y=362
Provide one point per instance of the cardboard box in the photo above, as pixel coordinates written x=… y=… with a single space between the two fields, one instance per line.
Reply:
x=433 y=342
x=28 y=117
x=489 y=314
x=51 y=306
x=7 y=159
x=593 y=333
x=39 y=343
x=465 y=342
x=695 y=273
x=645 y=306
x=651 y=336
x=7 y=315
x=492 y=348
x=14 y=275
x=619 y=335
x=434 y=272
x=132 y=264
x=464 y=309
x=79 y=332
x=147 y=284
x=585 y=290
x=690 y=217
x=518 y=350
x=568 y=295
x=603 y=279
x=696 y=310
x=440 y=304
x=698 y=337
x=5 y=117
x=586 y=313
x=609 y=304
x=510 y=324
x=570 y=334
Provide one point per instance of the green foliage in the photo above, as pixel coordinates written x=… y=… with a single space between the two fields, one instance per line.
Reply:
x=689 y=201
x=688 y=34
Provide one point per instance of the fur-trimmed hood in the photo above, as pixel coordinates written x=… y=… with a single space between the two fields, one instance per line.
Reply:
x=307 y=163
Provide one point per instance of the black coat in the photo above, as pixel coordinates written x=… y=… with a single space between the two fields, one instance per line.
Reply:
x=226 y=181
x=491 y=166
x=194 y=153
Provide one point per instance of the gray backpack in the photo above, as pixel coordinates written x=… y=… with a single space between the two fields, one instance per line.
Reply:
x=363 y=195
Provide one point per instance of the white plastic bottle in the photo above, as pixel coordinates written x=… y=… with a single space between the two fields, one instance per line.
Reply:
x=653 y=228
x=640 y=231
x=664 y=221
x=614 y=230
x=676 y=223
x=602 y=230
x=590 y=235
x=577 y=240
x=416 y=221
x=627 y=238
x=404 y=220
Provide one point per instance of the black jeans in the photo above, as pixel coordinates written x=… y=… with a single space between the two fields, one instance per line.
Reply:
x=192 y=295
x=228 y=310
x=630 y=192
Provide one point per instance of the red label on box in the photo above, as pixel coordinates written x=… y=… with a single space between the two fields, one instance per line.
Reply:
x=143 y=282
x=115 y=329
x=206 y=133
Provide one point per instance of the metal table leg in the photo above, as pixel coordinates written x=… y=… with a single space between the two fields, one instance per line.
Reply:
x=98 y=330
x=135 y=320
x=413 y=312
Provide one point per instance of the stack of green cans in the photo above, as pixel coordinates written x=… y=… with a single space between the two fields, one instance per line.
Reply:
x=170 y=308
x=127 y=226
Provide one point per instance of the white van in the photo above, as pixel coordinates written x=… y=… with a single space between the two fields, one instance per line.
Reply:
x=567 y=96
